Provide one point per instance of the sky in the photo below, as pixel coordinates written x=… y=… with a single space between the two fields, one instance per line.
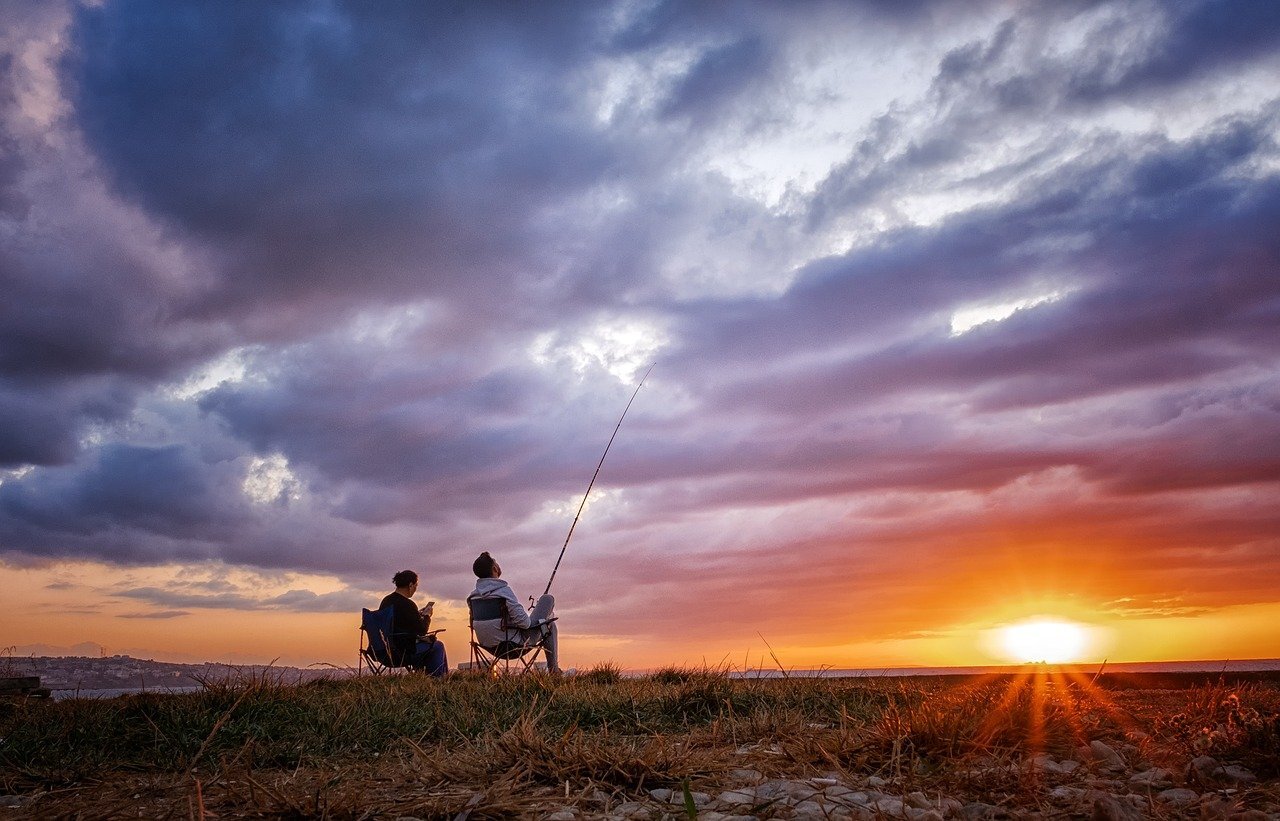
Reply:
x=960 y=314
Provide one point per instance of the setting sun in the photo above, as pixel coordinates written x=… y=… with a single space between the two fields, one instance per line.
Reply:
x=1042 y=639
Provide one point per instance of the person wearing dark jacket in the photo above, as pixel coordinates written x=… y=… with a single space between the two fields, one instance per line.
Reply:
x=410 y=644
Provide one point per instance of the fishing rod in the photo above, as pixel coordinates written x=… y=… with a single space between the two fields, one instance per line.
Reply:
x=593 y=479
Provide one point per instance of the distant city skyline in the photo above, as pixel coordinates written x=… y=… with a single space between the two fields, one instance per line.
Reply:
x=966 y=317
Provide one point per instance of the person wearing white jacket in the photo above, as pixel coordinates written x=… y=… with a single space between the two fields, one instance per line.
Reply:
x=521 y=627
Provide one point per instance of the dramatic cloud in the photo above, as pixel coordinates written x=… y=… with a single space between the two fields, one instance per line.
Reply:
x=946 y=303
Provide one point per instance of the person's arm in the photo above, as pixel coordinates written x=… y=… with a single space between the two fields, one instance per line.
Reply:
x=517 y=616
x=408 y=619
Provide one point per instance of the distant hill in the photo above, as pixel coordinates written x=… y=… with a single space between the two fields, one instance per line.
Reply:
x=122 y=672
x=89 y=649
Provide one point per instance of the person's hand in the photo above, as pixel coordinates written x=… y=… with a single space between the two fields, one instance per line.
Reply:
x=428 y=608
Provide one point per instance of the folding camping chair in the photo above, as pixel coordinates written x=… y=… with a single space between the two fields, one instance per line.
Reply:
x=499 y=658
x=377 y=641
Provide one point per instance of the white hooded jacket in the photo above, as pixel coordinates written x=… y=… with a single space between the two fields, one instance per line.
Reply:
x=490 y=633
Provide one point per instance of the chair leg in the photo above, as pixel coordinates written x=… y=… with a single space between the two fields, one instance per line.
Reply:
x=531 y=658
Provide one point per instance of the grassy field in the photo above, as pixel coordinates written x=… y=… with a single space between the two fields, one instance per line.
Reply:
x=599 y=745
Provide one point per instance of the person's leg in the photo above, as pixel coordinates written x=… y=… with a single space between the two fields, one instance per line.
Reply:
x=544 y=609
x=552 y=645
x=437 y=663
x=430 y=658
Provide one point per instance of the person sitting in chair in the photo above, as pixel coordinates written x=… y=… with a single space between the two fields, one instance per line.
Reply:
x=521 y=627
x=410 y=644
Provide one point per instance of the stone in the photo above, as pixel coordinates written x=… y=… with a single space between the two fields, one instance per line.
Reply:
x=796 y=791
x=1217 y=806
x=844 y=795
x=918 y=814
x=888 y=806
x=712 y=815
x=1044 y=763
x=12 y=801
x=746 y=776
x=950 y=806
x=561 y=815
x=1178 y=796
x=1156 y=778
x=1235 y=774
x=1071 y=794
x=877 y=782
x=978 y=810
x=737 y=797
x=816 y=810
x=1110 y=808
x=1104 y=755
x=632 y=809
x=1205 y=768
x=669 y=796
x=1068 y=767
x=1250 y=815
x=918 y=800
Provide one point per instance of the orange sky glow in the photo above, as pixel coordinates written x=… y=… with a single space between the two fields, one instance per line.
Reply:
x=72 y=612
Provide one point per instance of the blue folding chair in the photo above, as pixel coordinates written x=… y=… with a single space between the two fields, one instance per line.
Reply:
x=378 y=642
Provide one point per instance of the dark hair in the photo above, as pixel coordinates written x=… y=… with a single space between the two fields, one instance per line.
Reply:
x=404 y=578
x=483 y=566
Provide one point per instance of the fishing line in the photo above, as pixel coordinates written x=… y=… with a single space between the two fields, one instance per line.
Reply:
x=593 y=478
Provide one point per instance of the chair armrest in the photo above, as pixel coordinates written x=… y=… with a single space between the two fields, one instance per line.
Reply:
x=544 y=621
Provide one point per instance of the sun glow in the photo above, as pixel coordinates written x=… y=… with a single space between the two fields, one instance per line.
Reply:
x=1043 y=639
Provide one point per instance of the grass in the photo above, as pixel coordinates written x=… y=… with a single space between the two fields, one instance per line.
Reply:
x=410 y=745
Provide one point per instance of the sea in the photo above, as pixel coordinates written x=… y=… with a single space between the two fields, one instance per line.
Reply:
x=1204 y=667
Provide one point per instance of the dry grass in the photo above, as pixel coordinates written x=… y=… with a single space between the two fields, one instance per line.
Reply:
x=524 y=746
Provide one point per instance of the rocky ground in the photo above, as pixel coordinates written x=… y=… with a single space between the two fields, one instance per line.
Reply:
x=1101 y=781
x=1097 y=782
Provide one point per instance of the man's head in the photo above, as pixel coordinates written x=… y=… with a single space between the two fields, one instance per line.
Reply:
x=486 y=567
x=406 y=582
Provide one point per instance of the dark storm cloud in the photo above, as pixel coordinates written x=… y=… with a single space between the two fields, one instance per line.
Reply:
x=719 y=74
x=381 y=212
x=90 y=291
x=158 y=490
x=1194 y=39
x=400 y=151
x=1180 y=282
x=304 y=601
